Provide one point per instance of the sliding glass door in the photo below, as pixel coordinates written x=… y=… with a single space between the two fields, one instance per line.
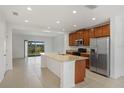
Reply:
x=35 y=48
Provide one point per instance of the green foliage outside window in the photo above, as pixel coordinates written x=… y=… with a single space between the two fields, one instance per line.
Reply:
x=35 y=48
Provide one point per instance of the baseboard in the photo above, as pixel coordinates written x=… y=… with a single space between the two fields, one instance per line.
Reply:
x=9 y=68
x=2 y=76
x=117 y=76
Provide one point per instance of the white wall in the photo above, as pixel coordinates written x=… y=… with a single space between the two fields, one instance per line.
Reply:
x=9 y=49
x=18 y=44
x=52 y=44
x=59 y=43
x=2 y=48
x=117 y=46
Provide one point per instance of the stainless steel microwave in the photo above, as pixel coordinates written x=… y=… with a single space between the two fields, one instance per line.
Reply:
x=79 y=42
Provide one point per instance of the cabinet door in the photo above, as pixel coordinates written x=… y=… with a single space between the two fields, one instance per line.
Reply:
x=91 y=33
x=98 y=32
x=70 y=39
x=106 y=30
x=76 y=36
x=87 y=60
x=79 y=35
x=86 y=38
x=80 y=69
x=82 y=34
x=73 y=39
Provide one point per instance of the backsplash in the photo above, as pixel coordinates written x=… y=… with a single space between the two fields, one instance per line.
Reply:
x=76 y=47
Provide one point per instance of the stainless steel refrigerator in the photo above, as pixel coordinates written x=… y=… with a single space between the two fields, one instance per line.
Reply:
x=100 y=55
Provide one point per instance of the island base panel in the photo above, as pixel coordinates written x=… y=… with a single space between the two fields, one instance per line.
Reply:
x=80 y=69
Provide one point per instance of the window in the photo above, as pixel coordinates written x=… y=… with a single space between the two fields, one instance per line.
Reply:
x=35 y=48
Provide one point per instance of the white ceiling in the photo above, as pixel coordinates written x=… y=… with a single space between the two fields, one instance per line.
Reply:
x=44 y=16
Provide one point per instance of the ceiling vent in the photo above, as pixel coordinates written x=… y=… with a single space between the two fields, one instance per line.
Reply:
x=15 y=13
x=91 y=6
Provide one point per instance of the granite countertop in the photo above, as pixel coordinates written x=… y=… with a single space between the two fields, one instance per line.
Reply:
x=64 y=57
x=71 y=50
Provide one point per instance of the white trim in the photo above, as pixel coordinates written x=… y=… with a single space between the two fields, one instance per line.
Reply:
x=1 y=78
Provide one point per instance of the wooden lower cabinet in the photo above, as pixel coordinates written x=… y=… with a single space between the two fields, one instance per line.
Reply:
x=71 y=53
x=80 y=71
x=87 y=60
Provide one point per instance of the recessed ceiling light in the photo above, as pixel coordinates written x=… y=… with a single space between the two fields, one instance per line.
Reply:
x=74 y=25
x=74 y=12
x=93 y=18
x=29 y=8
x=47 y=31
x=15 y=13
x=57 y=22
x=26 y=21
x=49 y=27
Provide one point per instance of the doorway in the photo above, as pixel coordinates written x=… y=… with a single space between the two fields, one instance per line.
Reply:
x=34 y=48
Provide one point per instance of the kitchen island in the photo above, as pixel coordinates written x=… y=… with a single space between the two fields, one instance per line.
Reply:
x=69 y=68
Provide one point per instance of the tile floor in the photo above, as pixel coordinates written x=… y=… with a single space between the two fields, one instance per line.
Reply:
x=28 y=74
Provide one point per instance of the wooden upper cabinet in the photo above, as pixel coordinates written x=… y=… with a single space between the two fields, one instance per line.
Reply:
x=76 y=34
x=91 y=33
x=106 y=30
x=86 y=38
x=70 y=39
x=73 y=39
x=102 y=31
x=98 y=31
x=82 y=34
x=86 y=34
x=79 y=34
